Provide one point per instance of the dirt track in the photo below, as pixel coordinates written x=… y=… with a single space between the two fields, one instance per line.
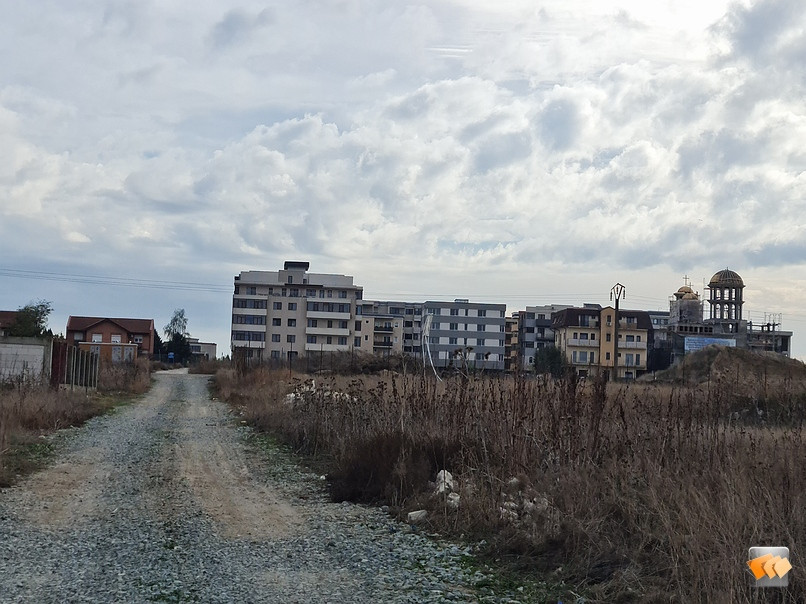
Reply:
x=166 y=500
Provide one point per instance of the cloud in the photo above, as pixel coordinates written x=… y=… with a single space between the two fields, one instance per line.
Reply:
x=237 y=26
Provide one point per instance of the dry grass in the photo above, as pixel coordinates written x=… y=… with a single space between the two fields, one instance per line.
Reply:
x=640 y=493
x=29 y=411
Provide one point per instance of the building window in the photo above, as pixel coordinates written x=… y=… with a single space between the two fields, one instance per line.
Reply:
x=138 y=339
x=329 y=340
x=251 y=291
x=608 y=337
x=342 y=294
x=115 y=338
x=292 y=322
x=97 y=337
x=275 y=354
x=482 y=313
x=312 y=322
x=275 y=337
x=277 y=322
x=607 y=356
x=455 y=312
x=342 y=324
x=342 y=341
x=311 y=340
x=630 y=338
x=357 y=342
x=453 y=326
x=277 y=305
x=292 y=306
x=291 y=339
x=290 y=279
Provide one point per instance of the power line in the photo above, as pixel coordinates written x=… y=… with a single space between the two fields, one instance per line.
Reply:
x=116 y=281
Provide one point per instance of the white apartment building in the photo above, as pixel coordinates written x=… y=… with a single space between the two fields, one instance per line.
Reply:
x=286 y=313
x=463 y=332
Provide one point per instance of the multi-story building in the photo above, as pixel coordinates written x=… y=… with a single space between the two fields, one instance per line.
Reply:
x=512 y=351
x=382 y=325
x=587 y=338
x=535 y=331
x=280 y=314
x=466 y=334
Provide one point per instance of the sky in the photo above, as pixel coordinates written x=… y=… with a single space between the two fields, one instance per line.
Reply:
x=518 y=152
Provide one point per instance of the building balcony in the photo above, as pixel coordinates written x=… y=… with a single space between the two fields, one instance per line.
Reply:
x=383 y=329
x=382 y=344
x=319 y=314
x=632 y=345
x=312 y=348
x=579 y=342
x=326 y=331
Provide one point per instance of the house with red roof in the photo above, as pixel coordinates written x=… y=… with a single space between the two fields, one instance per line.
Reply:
x=7 y=319
x=104 y=330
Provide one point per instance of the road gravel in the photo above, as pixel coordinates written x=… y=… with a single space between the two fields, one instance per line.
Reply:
x=169 y=499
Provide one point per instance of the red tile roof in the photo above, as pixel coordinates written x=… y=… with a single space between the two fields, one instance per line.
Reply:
x=130 y=325
x=7 y=317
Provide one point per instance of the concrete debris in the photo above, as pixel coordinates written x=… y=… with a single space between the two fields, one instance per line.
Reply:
x=417 y=516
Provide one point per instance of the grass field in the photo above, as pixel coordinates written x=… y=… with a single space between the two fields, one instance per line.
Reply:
x=642 y=492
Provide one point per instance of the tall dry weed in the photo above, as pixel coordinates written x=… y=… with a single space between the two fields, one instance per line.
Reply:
x=642 y=492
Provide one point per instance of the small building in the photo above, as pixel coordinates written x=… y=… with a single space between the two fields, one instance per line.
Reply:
x=202 y=350
x=103 y=330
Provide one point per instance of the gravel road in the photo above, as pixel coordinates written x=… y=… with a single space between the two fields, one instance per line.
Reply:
x=169 y=500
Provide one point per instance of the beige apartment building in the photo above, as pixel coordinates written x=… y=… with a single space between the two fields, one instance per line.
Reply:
x=287 y=313
x=591 y=340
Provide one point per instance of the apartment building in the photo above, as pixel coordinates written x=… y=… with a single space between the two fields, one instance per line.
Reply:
x=512 y=352
x=466 y=334
x=588 y=338
x=286 y=313
x=535 y=331
x=379 y=327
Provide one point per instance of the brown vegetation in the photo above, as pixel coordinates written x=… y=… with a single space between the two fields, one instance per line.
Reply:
x=646 y=492
x=29 y=411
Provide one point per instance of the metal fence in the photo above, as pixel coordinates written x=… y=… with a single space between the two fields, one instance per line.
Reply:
x=74 y=367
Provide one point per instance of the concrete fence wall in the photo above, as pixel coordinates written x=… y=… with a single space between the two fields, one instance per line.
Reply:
x=25 y=358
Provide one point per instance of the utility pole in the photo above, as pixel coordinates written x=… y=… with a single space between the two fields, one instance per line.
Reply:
x=616 y=293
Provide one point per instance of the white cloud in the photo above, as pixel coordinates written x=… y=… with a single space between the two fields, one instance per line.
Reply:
x=500 y=146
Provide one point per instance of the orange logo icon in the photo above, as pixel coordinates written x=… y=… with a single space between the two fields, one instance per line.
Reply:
x=770 y=566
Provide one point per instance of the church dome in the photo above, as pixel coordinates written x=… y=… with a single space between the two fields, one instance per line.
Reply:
x=726 y=278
